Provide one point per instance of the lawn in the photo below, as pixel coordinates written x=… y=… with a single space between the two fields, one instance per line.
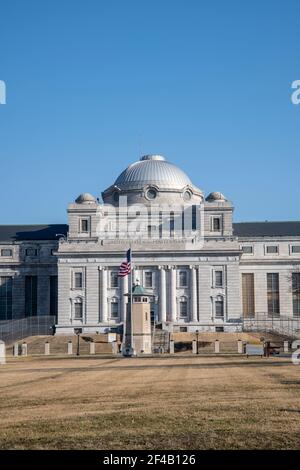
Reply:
x=150 y=403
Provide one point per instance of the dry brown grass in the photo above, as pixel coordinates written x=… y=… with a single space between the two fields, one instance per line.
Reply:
x=145 y=403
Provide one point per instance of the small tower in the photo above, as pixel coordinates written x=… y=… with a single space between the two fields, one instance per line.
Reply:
x=139 y=339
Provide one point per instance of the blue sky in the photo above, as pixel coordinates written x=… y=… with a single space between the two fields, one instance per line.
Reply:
x=93 y=84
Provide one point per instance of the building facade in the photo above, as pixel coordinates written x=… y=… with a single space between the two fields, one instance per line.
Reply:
x=203 y=271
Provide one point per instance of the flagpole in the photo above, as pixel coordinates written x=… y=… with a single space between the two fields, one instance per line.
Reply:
x=131 y=287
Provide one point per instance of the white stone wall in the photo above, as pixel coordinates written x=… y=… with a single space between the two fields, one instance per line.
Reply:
x=260 y=263
x=20 y=265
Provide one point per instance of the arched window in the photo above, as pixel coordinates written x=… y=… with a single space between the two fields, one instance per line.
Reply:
x=183 y=311
x=219 y=307
x=114 y=308
x=78 y=308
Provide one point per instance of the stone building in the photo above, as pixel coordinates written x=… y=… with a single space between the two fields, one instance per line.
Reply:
x=203 y=271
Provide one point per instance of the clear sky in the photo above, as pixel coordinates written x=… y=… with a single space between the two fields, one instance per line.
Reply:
x=93 y=84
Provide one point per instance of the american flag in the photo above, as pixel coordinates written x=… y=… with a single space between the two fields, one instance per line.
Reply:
x=125 y=267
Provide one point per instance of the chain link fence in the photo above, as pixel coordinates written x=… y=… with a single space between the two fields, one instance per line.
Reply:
x=14 y=330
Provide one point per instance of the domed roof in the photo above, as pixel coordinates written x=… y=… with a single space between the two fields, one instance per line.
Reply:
x=85 y=198
x=154 y=170
x=216 y=196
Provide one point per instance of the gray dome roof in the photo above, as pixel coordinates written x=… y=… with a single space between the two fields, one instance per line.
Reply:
x=85 y=198
x=152 y=170
x=216 y=196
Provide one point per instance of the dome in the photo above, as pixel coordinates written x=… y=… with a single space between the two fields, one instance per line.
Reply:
x=152 y=170
x=85 y=198
x=216 y=196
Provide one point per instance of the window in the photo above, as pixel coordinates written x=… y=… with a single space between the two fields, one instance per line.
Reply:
x=114 y=310
x=6 y=252
x=216 y=224
x=151 y=193
x=84 y=225
x=194 y=217
x=172 y=224
x=296 y=294
x=151 y=230
x=78 y=309
x=248 y=295
x=296 y=249
x=77 y=280
x=114 y=279
x=31 y=252
x=247 y=249
x=219 y=307
x=218 y=278
x=182 y=279
x=219 y=329
x=145 y=300
x=273 y=294
x=30 y=296
x=148 y=279
x=272 y=249
x=183 y=308
x=153 y=314
x=53 y=295
x=187 y=195
x=5 y=298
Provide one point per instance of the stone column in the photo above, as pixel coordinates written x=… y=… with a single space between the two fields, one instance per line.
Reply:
x=47 y=348
x=16 y=349
x=123 y=299
x=24 y=349
x=173 y=304
x=194 y=294
x=199 y=293
x=103 y=301
x=2 y=353
x=162 y=295
x=92 y=347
